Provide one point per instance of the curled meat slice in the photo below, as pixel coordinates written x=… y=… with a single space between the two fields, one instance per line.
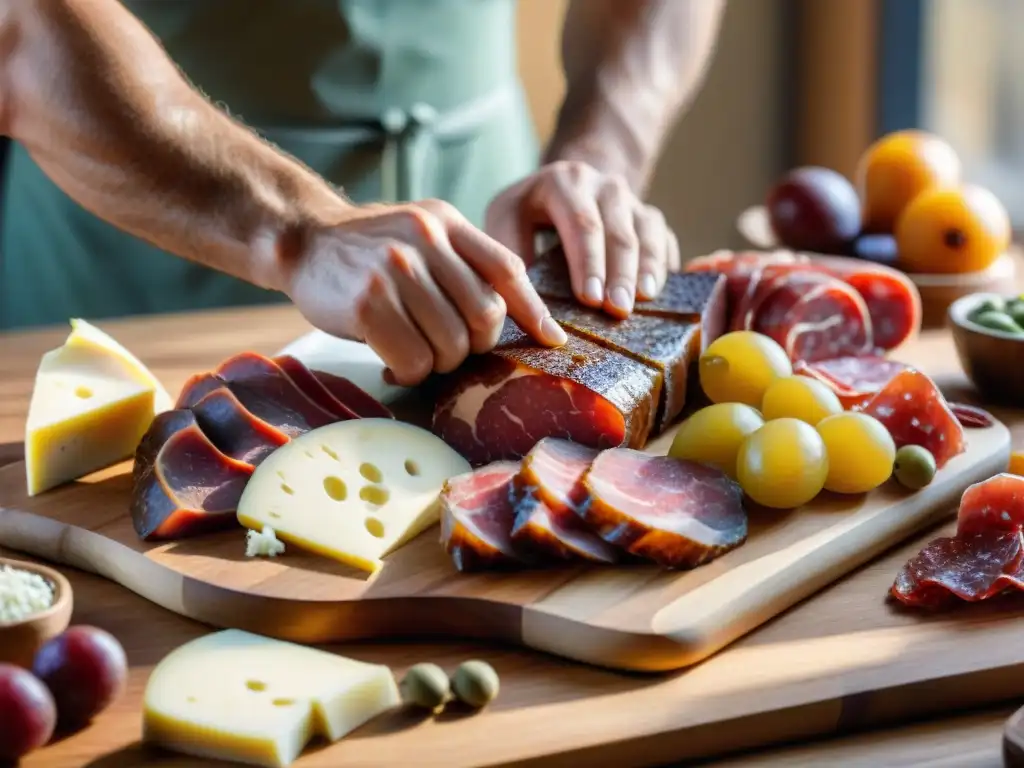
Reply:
x=679 y=514
x=996 y=504
x=969 y=567
x=562 y=534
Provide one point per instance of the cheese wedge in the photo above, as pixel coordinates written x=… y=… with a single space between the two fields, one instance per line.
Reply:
x=87 y=412
x=354 y=491
x=236 y=696
x=83 y=332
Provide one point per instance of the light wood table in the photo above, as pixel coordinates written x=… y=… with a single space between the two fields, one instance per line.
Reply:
x=177 y=346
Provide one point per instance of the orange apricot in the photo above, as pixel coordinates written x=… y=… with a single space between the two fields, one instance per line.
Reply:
x=952 y=230
x=896 y=169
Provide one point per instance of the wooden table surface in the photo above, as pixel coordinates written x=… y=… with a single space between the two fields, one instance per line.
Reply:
x=177 y=346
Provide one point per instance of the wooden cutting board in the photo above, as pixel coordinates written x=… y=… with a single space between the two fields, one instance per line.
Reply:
x=627 y=617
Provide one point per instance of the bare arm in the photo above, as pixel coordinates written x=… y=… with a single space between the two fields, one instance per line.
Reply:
x=630 y=66
x=97 y=103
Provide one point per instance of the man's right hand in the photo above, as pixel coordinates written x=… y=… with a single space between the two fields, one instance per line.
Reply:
x=418 y=283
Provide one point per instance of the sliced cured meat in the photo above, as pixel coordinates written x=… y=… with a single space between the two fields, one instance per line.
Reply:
x=892 y=300
x=679 y=514
x=358 y=400
x=996 y=504
x=477 y=515
x=854 y=378
x=971 y=416
x=554 y=470
x=197 y=387
x=691 y=298
x=915 y=413
x=499 y=405
x=313 y=388
x=550 y=494
x=234 y=430
x=668 y=347
x=813 y=316
x=181 y=484
x=561 y=535
x=969 y=567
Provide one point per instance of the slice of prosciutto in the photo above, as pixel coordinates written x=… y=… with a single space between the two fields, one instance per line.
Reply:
x=550 y=494
x=678 y=514
x=854 y=378
x=893 y=302
x=915 y=413
x=477 y=515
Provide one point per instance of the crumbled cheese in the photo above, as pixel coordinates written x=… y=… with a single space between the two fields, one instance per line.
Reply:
x=263 y=543
x=22 y=593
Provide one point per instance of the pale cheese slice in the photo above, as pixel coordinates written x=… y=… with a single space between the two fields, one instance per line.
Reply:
x=237 y=696
x=83 y=332
x=86 y=414
x=354 y=491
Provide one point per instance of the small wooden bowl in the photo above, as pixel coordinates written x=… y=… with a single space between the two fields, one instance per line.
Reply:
x=938 y=291
x=20 y=640
x=993 y=360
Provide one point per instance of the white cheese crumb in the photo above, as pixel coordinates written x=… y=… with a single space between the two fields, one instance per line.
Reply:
x=22 y=594
x=263 y=543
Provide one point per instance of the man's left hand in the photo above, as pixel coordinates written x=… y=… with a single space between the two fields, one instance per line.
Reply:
x=619 y=249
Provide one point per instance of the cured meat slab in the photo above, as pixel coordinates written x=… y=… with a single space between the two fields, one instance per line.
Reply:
x=628 y=615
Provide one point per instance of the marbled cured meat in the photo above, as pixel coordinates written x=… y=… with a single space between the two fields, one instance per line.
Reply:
x=335 y=393
x=891 y=299
x=477 y=515
x=854 y=379
x=993 y=504
x=678 y=514
x=234 y=430
x=181 y=484
x=311 y=385
x=549 y=497
x=669 y=347
x=915 y=413
x=499 y=405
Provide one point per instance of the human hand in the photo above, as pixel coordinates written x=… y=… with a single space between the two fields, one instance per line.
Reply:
x=418 y=283
x=618 y=248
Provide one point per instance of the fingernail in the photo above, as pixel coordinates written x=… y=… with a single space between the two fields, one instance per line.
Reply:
x=621 y=298
x=647 y=286
x=593 y=291
x=553 y=331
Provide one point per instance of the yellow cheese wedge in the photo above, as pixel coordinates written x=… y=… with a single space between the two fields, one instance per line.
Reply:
x=83 y=332
x=87 y=413
x=236 y=696
x=354 y=491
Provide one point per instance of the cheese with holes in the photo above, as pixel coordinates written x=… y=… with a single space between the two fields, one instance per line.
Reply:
x=86 y=333
x=87 y=413
x=354 y=491
x=236 y=696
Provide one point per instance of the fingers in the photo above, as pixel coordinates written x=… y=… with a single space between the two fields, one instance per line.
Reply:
x=622 y=248
x=568 y=196
x=390 y=332
x=426 y=305
x=675 y=261
x=655 y=241
x=505 y=271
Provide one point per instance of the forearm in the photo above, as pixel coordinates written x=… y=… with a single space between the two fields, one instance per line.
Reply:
x=630 y=66
x=97 y=103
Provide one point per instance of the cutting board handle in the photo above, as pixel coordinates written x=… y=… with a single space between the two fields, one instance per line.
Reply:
x=1013 y=739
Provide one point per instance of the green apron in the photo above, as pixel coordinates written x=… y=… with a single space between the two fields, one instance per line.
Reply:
x=389 y=99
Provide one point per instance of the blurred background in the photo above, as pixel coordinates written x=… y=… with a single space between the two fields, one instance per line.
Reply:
x=798 y=82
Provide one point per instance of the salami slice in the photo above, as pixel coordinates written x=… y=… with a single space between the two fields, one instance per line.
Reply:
x=679 y=514
x=915 y=413
x=969 y=567
x=996 y=504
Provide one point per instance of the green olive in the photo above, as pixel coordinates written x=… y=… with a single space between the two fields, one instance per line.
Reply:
x=914 y=467
x=997 y=321
x=1016 y=311
x=991 y=304
x=475 y=683
x=425 y=686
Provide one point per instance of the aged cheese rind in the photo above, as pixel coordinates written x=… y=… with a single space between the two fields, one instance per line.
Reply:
x=237 y=696
x=353 y=491
x=87 y=413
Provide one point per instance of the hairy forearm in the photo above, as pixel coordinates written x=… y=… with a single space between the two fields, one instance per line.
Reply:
x=97 y=103
x=630 y=66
